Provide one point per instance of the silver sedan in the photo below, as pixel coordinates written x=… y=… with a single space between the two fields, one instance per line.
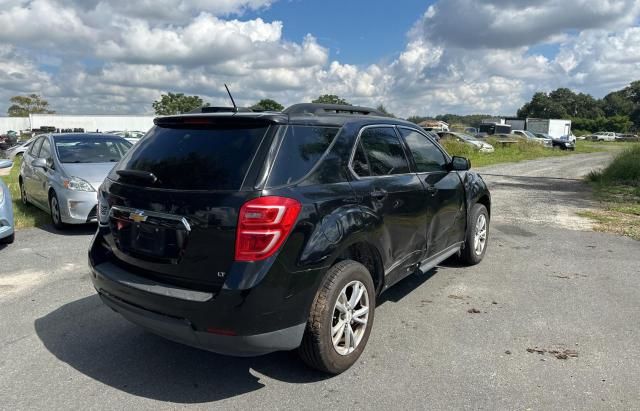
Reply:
x=6 y=209
x=60 y=174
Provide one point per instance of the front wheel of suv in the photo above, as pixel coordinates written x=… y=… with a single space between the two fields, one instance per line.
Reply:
x=475 y=245
x=341 y=318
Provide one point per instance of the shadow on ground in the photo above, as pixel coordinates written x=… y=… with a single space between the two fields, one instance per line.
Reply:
x=70 y=229
x=102 y=345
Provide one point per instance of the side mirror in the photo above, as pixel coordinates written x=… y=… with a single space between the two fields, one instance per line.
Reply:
x=460 y=164
x=39 y=163
x=6 y=163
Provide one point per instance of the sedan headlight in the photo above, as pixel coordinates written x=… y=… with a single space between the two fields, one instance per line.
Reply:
x=77 y=184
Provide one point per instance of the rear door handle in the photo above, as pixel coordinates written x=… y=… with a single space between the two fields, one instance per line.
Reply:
x=432 y=189
x=378 y=194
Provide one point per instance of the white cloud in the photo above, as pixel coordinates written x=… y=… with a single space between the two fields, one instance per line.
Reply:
x=461 y=56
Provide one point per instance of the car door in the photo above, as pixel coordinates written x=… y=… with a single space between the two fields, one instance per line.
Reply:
x=446 y=221
x=28 y=174
x=41 y=175
x=387 y=188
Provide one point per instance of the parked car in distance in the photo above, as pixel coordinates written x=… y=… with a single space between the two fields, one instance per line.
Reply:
x=466 y=139
x=8 y=140
x=246 y=233
x=627 y=137
x=60 y=174
x=432 y=134
x=545 y=141
x=7 y=235
x=18 y=150
x=603 y=136
x=563 y=143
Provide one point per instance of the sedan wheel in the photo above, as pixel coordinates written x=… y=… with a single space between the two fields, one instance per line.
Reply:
x=56 y=218
x=23 y=195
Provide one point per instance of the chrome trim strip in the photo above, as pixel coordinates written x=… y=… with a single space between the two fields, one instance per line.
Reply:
x=156 y=214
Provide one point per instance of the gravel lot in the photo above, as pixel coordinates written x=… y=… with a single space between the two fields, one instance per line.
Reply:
x=541 y=287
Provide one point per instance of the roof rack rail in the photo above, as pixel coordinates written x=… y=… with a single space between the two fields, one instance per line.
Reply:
x=319 y=109
x=213 y=109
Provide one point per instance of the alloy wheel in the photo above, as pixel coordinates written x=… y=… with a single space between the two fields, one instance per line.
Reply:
x=480 y=237
x=55 y=210
x=350 y=317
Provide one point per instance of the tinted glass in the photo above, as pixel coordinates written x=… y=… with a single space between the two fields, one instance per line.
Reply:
x=45 y=150
x=36 y=147
x=360 y=164
x=425 y=154
x=300 y=150
x=87 y=149
x=196 y=159
x=384 y=151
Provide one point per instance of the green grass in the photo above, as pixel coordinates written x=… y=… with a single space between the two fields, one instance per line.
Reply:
x=513 y=153
x=617 y=187
x=24 y=216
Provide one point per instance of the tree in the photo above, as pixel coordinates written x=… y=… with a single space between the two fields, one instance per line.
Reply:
x=266 y=104
x=24 y=105
x=617 y=104
x=542 y=106
x=177 y=103
x=417 y=119
x=381 y=108
x=330 y=99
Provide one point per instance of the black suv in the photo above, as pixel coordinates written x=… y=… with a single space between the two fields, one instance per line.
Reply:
x=245 y=233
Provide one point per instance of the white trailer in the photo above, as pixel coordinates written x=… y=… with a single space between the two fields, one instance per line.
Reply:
x=556 y=128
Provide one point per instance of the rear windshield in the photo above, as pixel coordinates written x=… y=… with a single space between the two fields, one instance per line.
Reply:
x=300 y=150
x=196 y=159
x=87 y=149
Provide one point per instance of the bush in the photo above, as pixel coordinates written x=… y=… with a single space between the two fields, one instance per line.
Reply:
x=625 y=169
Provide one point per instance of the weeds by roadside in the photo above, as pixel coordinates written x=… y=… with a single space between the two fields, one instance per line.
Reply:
x=617 y=187
x=513 y=153
x=24 y=216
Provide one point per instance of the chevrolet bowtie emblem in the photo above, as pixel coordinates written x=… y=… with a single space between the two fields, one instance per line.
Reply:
x=137 y=216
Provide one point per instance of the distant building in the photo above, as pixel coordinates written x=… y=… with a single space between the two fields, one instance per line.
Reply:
x=89 y=123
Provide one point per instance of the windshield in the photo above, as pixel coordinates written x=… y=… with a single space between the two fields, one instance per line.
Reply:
x=87 y=149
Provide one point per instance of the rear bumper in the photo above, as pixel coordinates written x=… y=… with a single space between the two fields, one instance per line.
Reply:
x=182 y=331
x=270 y=316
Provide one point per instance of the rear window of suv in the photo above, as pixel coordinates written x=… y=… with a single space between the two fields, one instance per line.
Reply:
x=196 y=159
x=300 y=150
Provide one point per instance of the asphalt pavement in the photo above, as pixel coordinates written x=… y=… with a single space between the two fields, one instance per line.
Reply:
x=549 y=320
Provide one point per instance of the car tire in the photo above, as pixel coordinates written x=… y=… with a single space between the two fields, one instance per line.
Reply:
x=477 y=238
x=8 y=240
x=54 y=209
x=335 y=303
x=23 y=194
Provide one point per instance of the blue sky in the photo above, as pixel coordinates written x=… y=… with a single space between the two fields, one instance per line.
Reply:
x=355 y=31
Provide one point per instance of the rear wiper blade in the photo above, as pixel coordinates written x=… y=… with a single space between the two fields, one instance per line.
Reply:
x=138 y=174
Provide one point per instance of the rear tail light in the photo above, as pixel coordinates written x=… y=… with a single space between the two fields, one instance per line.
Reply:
x=263 y=225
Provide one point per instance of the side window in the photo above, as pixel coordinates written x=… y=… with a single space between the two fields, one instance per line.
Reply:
x=360 y=163
x=35 y=148
x=425 y=154
x=299 y=152
x=45 y=151
x=384 y=151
